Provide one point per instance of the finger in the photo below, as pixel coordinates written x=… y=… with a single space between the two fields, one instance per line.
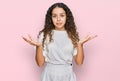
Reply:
x=92 y=37
x=95 y=35
x=26 y=40
x=88 y=34
x=34 y=43
x=29 y=41
x=30 y=37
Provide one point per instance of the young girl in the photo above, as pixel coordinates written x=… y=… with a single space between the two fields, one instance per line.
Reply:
x=58 y=43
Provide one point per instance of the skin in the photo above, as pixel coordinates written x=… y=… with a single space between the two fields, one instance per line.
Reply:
x=59 y=20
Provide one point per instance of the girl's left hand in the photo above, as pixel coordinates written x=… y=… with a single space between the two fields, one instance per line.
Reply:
x=87 y=38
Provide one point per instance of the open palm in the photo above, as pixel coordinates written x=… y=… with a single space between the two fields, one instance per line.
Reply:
x=31 y=41
x=87 y=38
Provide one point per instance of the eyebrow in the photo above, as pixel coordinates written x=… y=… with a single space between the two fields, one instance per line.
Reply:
x=59 y=13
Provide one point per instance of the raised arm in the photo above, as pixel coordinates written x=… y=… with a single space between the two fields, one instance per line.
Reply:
x=79 y=57
x=40 y=59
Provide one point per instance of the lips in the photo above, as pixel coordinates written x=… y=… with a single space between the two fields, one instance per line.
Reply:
x=58 y=23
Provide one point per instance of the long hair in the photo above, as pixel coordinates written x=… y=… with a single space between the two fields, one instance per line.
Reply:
x=70 y=26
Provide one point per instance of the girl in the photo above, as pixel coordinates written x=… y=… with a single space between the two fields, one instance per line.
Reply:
x=58 y=43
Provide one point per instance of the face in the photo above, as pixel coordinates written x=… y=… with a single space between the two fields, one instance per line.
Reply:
x=59 y=18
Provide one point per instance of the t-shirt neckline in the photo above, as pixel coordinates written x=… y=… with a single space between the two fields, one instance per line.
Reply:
x=59 y=30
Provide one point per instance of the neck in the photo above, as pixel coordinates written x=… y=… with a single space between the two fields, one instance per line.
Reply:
x=62 y=29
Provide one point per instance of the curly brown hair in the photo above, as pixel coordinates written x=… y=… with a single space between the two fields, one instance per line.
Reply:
x=70 y=26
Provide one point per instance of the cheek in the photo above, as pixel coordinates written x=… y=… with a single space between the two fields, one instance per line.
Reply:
x=64 y=19
x=53 y=20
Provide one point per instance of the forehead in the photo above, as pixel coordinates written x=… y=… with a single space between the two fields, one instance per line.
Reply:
x=58 y=10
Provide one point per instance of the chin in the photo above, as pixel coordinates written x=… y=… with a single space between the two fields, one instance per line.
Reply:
x=60 y=28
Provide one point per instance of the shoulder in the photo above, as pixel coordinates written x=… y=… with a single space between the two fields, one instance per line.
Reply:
x=41 y=35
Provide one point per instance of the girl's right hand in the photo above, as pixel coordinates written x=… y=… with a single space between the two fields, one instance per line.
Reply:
x=31 y=41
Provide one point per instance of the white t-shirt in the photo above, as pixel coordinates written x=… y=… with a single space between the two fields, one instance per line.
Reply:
x=60 y=50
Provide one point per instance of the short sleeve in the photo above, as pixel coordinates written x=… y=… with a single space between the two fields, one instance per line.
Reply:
x=40 y=39
x=74 y=51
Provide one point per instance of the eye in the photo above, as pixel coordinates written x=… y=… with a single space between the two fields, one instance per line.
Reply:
x=53 y=15
x=62 y=15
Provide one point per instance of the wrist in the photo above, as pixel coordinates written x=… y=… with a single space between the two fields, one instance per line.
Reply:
x=80 y=43
x=39 y=45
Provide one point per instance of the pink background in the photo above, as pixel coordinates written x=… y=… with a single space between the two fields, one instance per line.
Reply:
x=21 y=17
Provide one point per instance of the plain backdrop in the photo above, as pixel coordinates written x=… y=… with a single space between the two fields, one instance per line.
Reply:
x=97 y=17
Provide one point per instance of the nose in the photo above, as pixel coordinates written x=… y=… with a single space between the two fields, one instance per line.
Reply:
x=58 y=18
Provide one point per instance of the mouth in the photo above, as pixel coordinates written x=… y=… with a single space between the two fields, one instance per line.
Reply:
x=58 y=24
